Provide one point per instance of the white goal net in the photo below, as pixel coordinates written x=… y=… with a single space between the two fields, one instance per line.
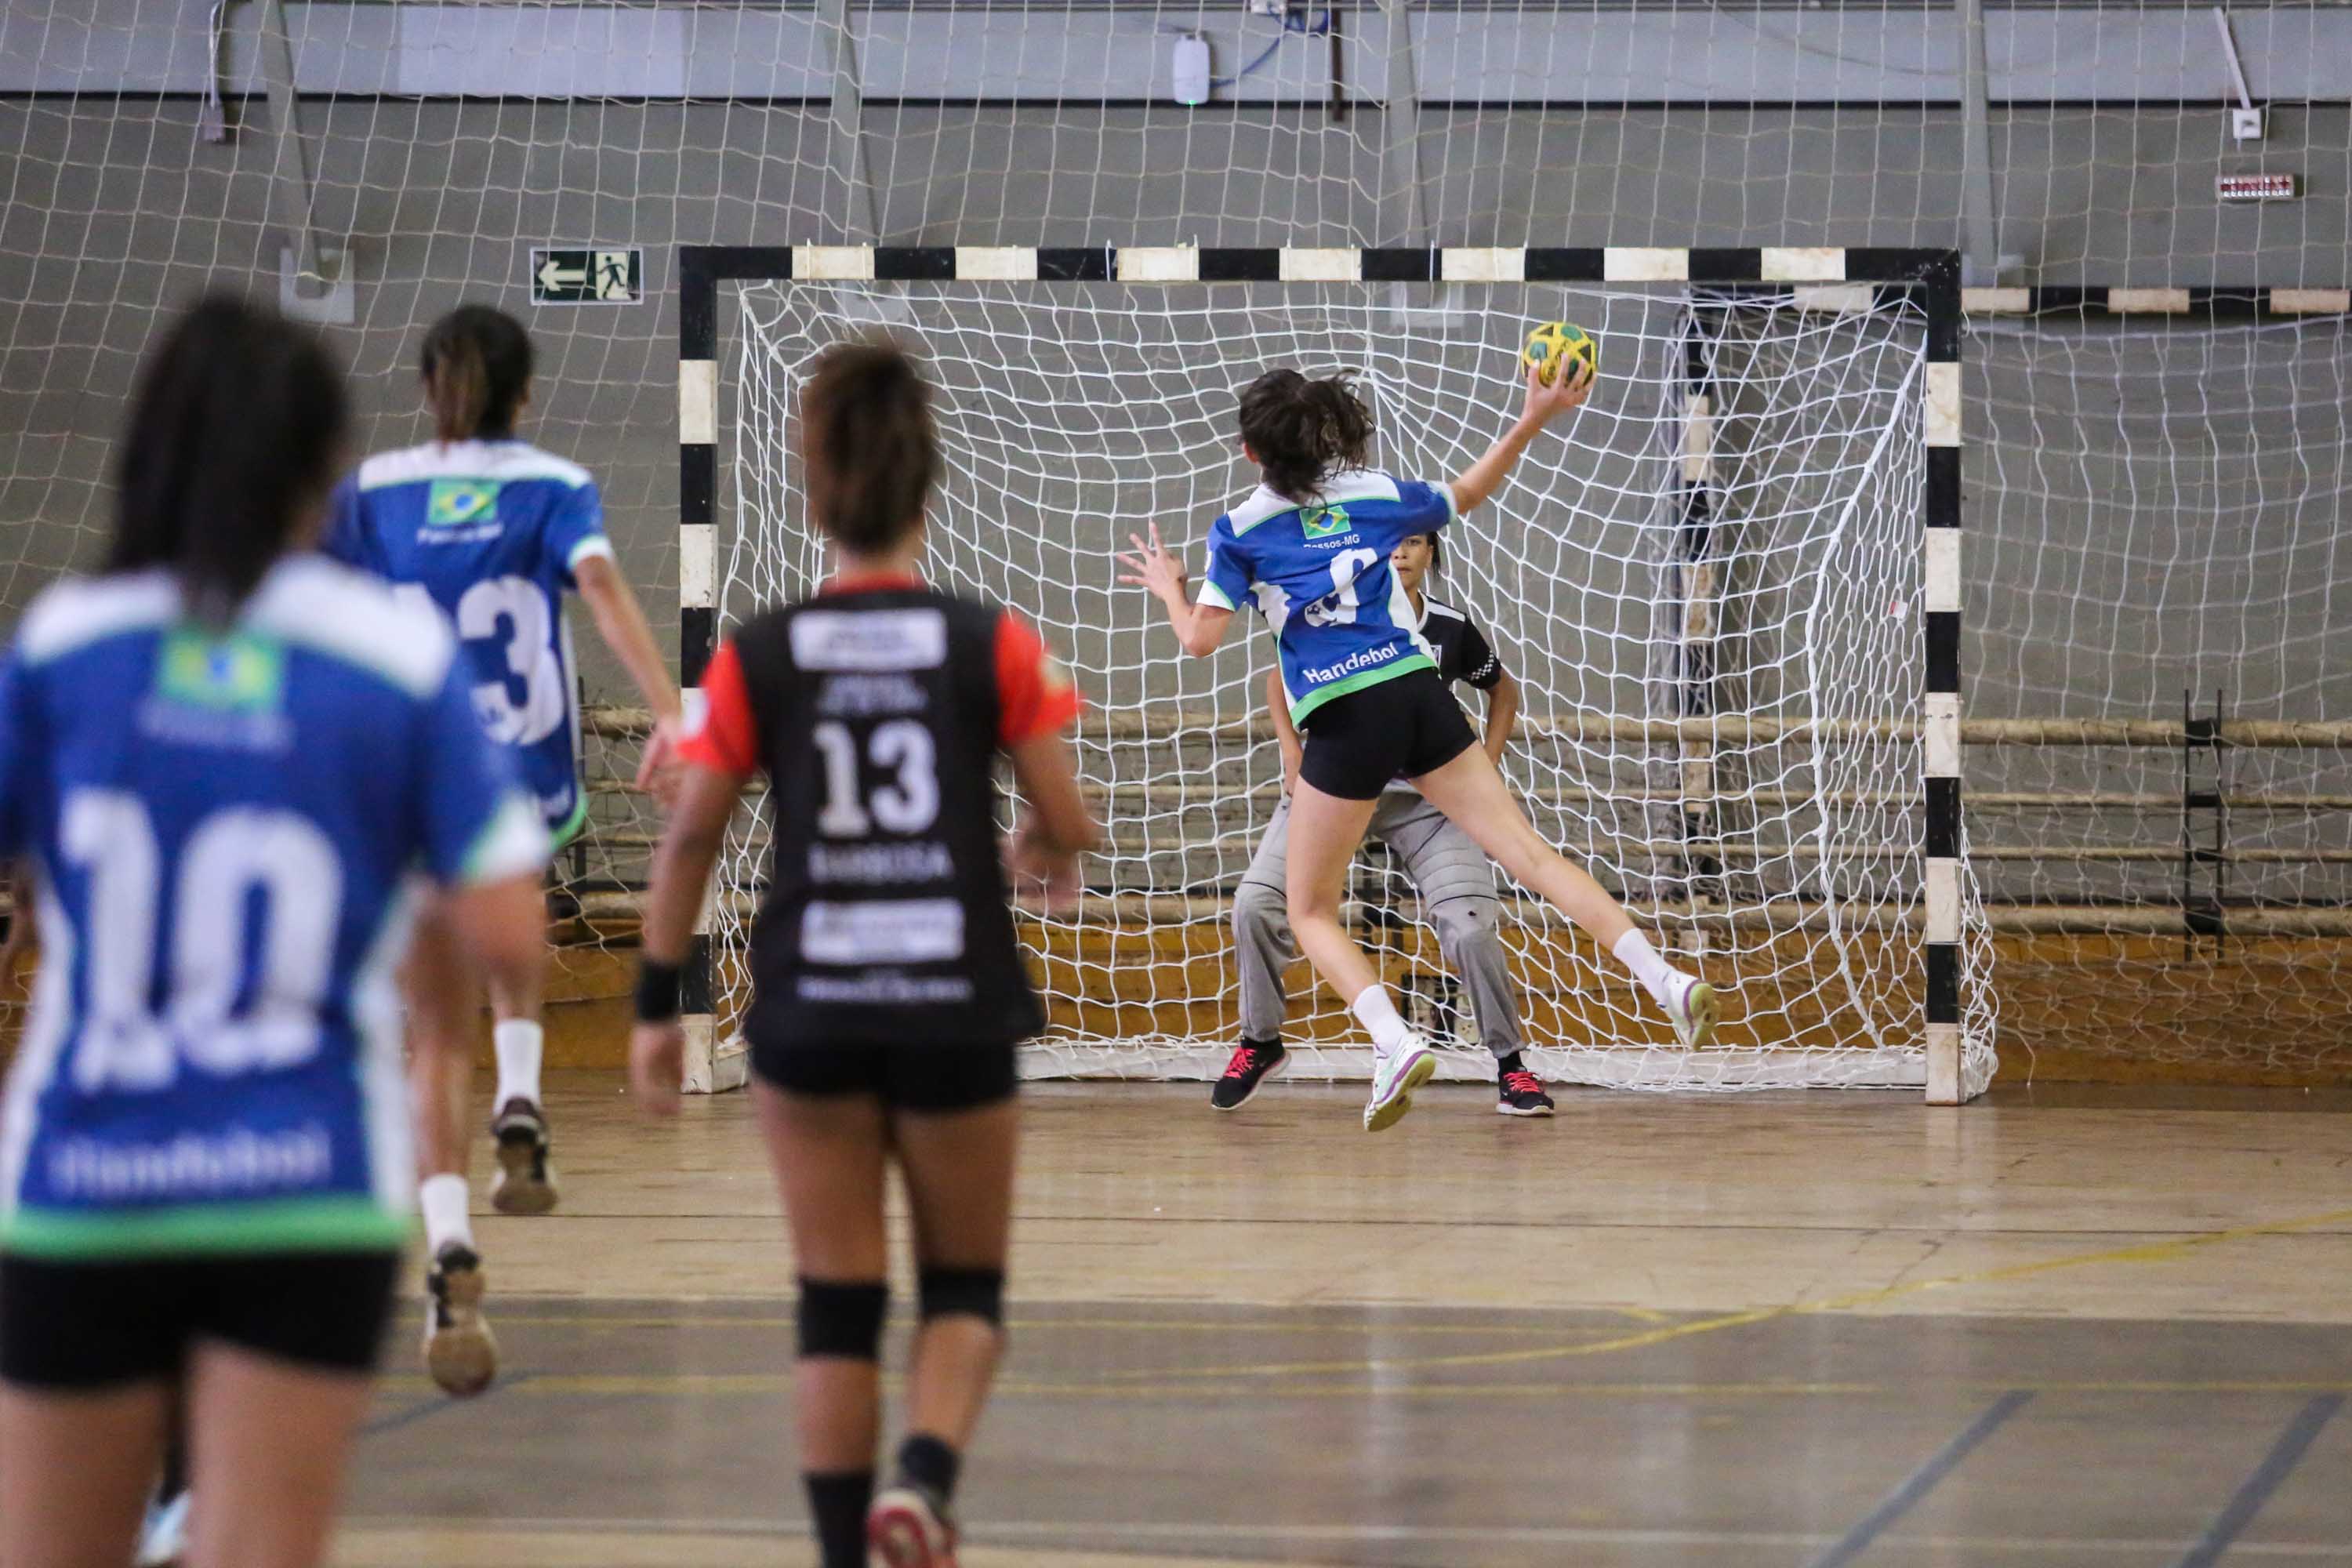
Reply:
x=1710 y=589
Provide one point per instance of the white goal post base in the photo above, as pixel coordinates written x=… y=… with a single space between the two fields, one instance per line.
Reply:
x=1757 y=522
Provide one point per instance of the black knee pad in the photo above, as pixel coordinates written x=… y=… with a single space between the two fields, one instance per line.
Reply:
x=963 y=1292
x=840 y=1318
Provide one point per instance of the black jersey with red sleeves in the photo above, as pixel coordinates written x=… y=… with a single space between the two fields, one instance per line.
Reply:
x=876 y=711
x=1464 y=654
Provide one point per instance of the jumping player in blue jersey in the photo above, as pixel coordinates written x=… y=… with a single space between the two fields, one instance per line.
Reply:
x=1310 y=548
x=495 y=532
x=236 y=772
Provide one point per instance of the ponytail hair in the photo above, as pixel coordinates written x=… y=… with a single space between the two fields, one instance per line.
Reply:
x=869 y=443
x=237 y=429
x=1302 y=430
x=477 y=368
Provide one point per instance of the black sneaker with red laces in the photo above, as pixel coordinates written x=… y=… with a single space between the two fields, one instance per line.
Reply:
x=1252 y=1063
x=1517 y=1092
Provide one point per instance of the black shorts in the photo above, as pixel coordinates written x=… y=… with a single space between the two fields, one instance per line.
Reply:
x=84 y=1325
x=904 y=1075
x=1399 y=729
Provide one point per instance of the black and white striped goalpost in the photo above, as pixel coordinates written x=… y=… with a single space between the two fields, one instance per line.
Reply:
x=1867 y=274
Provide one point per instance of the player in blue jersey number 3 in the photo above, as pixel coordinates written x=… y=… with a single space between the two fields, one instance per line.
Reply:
x=1310 y=548
x=494 y=532
x=236 y=773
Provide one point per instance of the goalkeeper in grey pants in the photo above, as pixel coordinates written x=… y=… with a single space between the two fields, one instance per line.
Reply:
x=1450 y=872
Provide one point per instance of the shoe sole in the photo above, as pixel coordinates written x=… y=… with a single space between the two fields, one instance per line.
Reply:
x=1275 y=1071
x=1379 y=1118
x=1704 y=1011
x=1503 y=1110
x=900 y=1533
x=464 y=1358
x=521 y=1190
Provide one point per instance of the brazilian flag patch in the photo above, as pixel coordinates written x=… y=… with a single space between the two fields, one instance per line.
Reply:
x=458 y=503
x=1322 y=522
x=239 y=673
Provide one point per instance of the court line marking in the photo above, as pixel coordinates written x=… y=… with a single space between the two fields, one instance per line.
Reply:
x=2143 y=1252
x=1921 y=1481
x=762 y=1384
x=2276 y=1466
x=1471 y=1534
x=1151 y=1325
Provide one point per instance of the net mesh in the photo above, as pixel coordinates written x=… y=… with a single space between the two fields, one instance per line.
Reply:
x=2158 y=514
x=1712 y=608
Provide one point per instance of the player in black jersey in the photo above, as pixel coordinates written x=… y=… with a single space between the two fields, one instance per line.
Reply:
x=1451 y=875
x=888 y=993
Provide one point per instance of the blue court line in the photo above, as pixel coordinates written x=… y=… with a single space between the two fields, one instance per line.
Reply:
x=2276 y=1466
x=1921 y=1481
x=431 y=1407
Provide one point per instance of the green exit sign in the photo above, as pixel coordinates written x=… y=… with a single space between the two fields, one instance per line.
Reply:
x=587 y=275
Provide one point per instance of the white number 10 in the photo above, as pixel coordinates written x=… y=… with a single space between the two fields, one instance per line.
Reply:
x=232 y=854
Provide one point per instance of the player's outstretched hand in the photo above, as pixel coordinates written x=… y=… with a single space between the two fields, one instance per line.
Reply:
x=1151 y=566
x=657 y=769
x=656 y=1067
x=1546 y=404
x=1043 y=880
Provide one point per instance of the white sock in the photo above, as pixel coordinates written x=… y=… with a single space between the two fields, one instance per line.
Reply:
x=443 y=1201
x=1378 y=1014
x=520 y=1043
x=1634 y=952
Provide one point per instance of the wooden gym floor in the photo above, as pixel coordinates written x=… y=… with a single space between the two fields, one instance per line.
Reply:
x=2083 y=1327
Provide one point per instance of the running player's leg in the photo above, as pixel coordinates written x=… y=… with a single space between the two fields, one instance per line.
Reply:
x=829 y=1154
x=271 y=1438
x=1456 y=883
x=1263 y=949
x=959 y=1171
x=1471 y=790
x=1325 y=830
x=459 y=1349
x=526 y=1184
x=76 y=1465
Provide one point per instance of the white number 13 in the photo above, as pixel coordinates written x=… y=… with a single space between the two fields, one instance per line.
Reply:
x=908 y=803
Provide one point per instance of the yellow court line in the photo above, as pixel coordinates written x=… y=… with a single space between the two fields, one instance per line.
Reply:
x=2145 y=1252
x=762 y=1385
x=1151 y=1325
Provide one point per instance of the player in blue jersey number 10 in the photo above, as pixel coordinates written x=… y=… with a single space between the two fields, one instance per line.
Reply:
x=494 y=532
x=236 y=773
x=1310 y=548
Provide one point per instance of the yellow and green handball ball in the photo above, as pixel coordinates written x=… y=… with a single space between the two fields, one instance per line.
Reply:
x=1556 y=343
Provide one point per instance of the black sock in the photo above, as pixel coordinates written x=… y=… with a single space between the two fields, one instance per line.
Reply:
x=1507 y=1064
x=839 y=1502
x=931 y=1464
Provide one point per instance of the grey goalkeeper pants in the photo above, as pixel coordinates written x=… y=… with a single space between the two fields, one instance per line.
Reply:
x=1456 y=884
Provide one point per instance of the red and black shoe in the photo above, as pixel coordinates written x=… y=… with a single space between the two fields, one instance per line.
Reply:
x=1251 y=1065
x=1517 y=1092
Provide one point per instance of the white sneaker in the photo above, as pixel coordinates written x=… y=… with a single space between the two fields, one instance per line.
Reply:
x=164 y=1540
x=1693 y=1008
x=1394 y=1077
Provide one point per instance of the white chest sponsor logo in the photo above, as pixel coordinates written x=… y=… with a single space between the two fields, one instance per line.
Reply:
x=869 y=639
x=891 y=930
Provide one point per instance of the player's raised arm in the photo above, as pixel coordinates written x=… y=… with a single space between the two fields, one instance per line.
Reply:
x=1544 y=402
x=1199 y=626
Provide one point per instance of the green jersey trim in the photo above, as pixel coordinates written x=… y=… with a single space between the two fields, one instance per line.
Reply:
x=562 y=833
x=1214 y=597
x=281 y=1225
x=1357 y=682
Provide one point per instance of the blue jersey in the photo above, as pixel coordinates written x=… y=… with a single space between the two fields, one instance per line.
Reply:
x=226 y=834
x=1318 y=571
x=490 y=532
